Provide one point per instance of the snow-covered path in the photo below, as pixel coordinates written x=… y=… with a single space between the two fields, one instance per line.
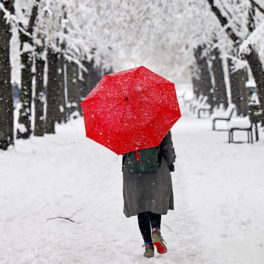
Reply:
x=218 y=189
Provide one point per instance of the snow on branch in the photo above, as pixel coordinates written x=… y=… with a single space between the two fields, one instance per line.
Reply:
x=257 y=6
x=27 y=47
x=8 y=16
x=76 y=61
x=255 y=41
x=238 y=64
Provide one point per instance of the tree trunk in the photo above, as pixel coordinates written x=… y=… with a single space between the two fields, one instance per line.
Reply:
x=91 y=78
x=62 y=118
x=85 y=91
x=97 y=75
x=243 y=77
x=24 y=129
x=197 y=85
x=220 y=88
x=39 y=99
x=238 y=89
x=79 y=88
x=88 y=79
x=52 y=92
x=6 y=100
x=26 y=43
x=74 y=88
x=258 y=74
x=71 y=84
x=234 y=85
x=206 y=82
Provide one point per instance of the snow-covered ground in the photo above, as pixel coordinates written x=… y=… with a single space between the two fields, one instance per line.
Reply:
x=218 y=189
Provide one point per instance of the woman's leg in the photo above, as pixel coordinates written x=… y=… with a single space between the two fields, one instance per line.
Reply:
x=155 y=220
x=157 y=239
x=144 y=226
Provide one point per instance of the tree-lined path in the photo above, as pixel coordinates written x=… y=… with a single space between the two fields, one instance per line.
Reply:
x=59 y=51
x=218 y=216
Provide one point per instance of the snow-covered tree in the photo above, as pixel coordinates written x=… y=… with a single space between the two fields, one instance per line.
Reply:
x=6 y=100
x=26 y=12
x=239 y=19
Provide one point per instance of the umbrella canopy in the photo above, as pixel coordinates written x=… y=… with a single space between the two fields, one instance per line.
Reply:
x=130 y=110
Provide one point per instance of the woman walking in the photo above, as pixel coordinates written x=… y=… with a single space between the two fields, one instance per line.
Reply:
x=148 y=193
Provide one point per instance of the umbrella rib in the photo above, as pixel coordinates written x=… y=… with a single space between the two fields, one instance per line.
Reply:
x=173 y=110
x=133 y=80
x=107 y=98
x=119 y=127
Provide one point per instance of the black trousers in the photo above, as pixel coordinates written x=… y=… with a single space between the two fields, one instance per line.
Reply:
x=144 y=221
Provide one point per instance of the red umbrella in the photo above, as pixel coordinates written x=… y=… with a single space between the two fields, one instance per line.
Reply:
x=130 y=110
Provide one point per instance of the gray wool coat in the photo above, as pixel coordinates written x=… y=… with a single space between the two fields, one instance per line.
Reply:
x=150 y=192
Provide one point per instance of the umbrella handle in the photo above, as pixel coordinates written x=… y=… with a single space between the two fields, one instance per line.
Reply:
x=137 y=155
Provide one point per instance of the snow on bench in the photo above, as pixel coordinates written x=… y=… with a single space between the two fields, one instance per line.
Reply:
x=226 y=116
x=240 y=124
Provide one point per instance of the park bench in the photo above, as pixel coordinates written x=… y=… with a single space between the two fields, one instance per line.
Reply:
x=204 y=107
x=243 y=124
x=226 y=116
x=200 y=104
x=195 y=102
x=246 y=124
x=254 y=113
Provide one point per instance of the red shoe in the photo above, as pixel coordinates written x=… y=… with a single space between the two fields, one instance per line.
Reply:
x=158 y=242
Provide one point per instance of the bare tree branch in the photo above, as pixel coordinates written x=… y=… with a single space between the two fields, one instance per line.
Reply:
x=251 y=20
x=69 y=218
x=65 y=218
x=226 y=9
x=257 y=6
x=223 y=22
x=166 y=226
x=33 y=16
